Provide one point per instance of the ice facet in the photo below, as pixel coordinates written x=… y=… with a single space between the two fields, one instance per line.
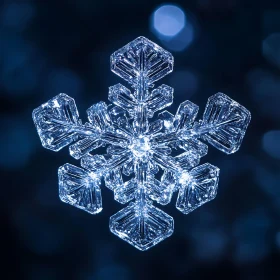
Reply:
x=161 y=193
x=122 y=97
x=118 y=116
x=126 y=192
x=99 y=117
x=141 y=61
x=96 y=163
x=142 y=226
x=80 y=188
x=140 y=148
x=185 y=115
x=128 y=167
x=167 y=119
x=195 y=146
x=140 y=123
x=168 y=179
x=56 y=122
x=113 y=179
x=166 y=162
x=227 y=121
x=198 y=187
x=160 y=98
x=84 y=146
x=149 y=155
x=187 y=160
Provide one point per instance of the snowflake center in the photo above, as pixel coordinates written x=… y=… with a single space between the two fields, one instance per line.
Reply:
x=184 y=178
x=140 y=147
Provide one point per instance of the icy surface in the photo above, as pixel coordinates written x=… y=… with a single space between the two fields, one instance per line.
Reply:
x=140 y=148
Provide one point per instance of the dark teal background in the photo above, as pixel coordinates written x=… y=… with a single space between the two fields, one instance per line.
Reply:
x=48 y=47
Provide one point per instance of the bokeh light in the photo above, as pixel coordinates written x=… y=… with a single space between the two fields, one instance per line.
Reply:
x=40 y=236
x=114 y=271
x=21 y=65
x=207 y=236
x=16 y=144
x=270 y=143
x=17 y=15
x=268 y=181
x=270 y=21
x=171 y=25
x=185 y=83
x=213 y=244
x=264 y=88
x=210 y=244
x=169 y=20
x=277 y=239
x=250 y=232
x=231 y=170
x=46 y=196
x=63 y=80
x=271 y=49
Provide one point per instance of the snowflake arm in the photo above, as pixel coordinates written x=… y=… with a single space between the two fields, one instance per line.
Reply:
x=224 y=124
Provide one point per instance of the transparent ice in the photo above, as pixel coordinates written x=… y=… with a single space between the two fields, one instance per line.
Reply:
x=138 y=149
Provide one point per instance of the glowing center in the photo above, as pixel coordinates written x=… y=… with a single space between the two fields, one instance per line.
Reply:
x=184 y=178
x=140 y=147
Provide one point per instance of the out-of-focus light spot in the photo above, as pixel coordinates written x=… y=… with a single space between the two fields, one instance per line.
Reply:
x=207 y=236
x=114 y=271
x=264 y=89
x=21 y=65
x=232 y=168
x=277 y=239
x=16 y=143
x=175 y=30
x=17 y=15
x=271 y=49
x=185 y=82
x=181 y=41
x=270 y=21
x=11 y=77
x=38 y=234
x=268 y=180
x=270 y=142
x=105 y=253
x=250 y=232
x=46 y=196
x=169 y=20
x=210 y=244
x=64 y=80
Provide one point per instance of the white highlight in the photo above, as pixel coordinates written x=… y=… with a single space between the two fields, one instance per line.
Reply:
x=169 y=20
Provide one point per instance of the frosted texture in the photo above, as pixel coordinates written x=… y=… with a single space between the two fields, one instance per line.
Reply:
x=141 y=225
x=140 y=148
x=80 y=188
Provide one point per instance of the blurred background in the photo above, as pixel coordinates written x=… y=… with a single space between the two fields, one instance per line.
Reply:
x=48 y=47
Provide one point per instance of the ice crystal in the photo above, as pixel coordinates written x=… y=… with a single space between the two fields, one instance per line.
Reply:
x=137 y=149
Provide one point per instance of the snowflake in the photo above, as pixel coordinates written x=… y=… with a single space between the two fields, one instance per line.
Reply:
x=138 y=165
